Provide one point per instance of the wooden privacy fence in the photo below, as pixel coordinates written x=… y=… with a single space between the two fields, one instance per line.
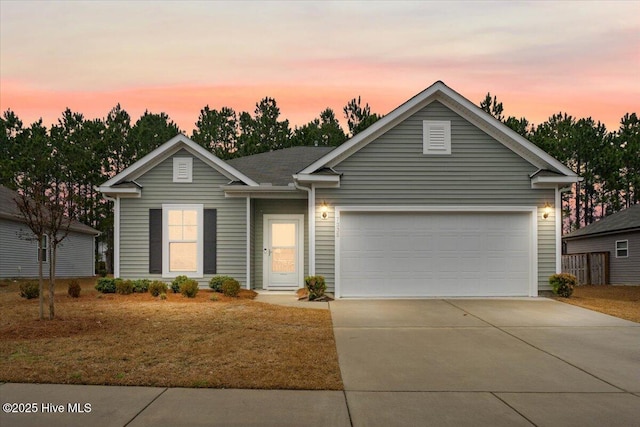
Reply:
x=590 y=268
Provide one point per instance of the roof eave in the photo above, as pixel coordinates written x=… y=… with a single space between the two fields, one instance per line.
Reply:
x=441 y=92
x=169 y=148
x=601 y=233
x=323 y=181
x=129 y=192
x=553 y=181
x=263 y=191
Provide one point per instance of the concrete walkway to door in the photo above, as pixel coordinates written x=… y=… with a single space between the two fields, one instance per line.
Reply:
x=494 y=362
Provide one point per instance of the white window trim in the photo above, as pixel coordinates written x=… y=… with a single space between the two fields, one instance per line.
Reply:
x=45 y=247
x=626 y=248
x=165 y=242
x=177 y=161
x=427 y=145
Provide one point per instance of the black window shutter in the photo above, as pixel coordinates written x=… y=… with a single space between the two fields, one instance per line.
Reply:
x=210 y=239
x=155 y=241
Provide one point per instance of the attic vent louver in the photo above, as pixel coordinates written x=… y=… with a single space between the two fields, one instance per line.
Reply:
x=436 y=137
x=182 y=169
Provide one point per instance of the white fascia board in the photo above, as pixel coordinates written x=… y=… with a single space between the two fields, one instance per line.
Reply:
x=129 y=192
x=332 y=180
x=169 y=148
x=441 y=92
x=437 y=208
x=263 y=192
x=470 y=109
x=375 y=130
x=553 y=181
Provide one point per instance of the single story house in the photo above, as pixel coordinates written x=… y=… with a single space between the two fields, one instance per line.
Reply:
x=435 y=199
x=617 y=234
x=19 y=253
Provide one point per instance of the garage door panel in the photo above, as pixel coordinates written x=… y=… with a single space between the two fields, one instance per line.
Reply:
x=434 y=254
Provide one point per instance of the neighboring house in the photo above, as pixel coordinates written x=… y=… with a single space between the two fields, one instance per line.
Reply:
x=19 y=251
x=617 y=234
x=437 y=198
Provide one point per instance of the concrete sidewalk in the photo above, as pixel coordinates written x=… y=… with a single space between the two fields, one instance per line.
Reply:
x=500 y=362
x=154 y=406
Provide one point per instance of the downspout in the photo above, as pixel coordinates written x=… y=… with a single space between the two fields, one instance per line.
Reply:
x=248 y=220
x=311 y=195
x=116 y=234
x=558 y=202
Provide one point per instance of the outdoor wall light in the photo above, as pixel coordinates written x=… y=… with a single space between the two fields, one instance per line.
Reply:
x=324 y=211
x=547 y=211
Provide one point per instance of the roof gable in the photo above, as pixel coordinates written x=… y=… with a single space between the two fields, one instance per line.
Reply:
x=458 y=104
x=165 y=151
x=625 y=220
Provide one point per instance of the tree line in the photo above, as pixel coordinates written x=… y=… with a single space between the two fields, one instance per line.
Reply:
x=609 y=161
x=79 y=154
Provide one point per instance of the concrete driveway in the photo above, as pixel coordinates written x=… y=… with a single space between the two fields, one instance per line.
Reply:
x=486 y=362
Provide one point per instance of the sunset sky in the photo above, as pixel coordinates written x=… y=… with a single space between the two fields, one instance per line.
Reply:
x=539 y=58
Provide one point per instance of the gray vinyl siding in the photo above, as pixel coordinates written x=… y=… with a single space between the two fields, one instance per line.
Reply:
x=262 y=207
x=19 y=257
x=158 y=188
x=393 y=171
x=622 y=271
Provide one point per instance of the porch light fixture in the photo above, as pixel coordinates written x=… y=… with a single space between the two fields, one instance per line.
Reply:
x=547 y=210
x=324 y=211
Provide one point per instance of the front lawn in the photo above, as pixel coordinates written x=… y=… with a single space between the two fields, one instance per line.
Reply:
x=179 y=342
x=619 y=301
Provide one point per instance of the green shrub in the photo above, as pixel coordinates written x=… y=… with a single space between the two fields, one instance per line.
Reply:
x=231 y=287
x=563 y=284
x=163 y=296
x=124 y=287
x=175 y=285
x=106 y=285
x=214 y=297
x=74 y=289
x=216 y=282
x=189 y=288
x=157 y=287
x=316 y=286
x=141 y=285
x=29 y=290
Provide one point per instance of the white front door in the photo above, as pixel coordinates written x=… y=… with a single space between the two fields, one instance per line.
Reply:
x=283 y=255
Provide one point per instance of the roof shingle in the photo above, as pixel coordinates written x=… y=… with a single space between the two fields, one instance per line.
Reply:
x=278 y=167
x=620 y=221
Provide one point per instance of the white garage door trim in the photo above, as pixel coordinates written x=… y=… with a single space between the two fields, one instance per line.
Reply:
x=533 y=247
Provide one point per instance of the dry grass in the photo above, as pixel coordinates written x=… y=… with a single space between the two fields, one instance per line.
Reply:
x=619 y=301
x=141 y=340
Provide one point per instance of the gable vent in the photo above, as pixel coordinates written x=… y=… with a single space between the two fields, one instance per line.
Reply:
x=436 y=138
x=182 y=169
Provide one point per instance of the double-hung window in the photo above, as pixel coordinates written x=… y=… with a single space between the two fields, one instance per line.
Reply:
x=182 y=241
x=622 y=248
x=43 y=249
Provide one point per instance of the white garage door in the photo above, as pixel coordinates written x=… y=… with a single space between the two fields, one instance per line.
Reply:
x=433 y=254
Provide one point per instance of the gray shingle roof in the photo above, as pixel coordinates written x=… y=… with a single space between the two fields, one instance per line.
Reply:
x=277 y=167
x=627 y=219
x=9 y=210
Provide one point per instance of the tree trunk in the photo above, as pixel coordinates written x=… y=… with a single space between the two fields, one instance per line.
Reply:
x=40 y=281
x=52 y=280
